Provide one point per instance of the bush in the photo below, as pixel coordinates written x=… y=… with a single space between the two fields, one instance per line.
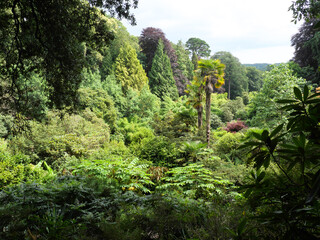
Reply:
x=6 y=124
x=215 y=121
x=226 y=147
x=235 y=126
x=70 y=135
x=159 y=150
x=15 y=169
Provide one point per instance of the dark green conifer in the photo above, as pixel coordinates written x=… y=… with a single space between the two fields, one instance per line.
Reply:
x=161 y=79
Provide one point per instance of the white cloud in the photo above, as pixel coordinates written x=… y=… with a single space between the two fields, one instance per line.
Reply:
x=276 y=54
x=228 y=25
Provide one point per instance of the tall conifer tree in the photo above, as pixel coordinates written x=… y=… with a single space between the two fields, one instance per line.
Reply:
x=128 y=70
x=161 y=79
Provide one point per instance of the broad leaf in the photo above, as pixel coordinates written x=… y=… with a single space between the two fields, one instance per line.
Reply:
x=297 y=93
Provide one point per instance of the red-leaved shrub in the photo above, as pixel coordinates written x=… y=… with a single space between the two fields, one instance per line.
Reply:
x=235 y=126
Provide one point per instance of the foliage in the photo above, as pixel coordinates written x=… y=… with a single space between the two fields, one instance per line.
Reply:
x=124 y=175
x=294 y=190
x=236 y=80
x=254 y=78
x=183 y=60
x=176 y=119
x=212 y=72
x=199 y=47
x=184 y=65
x=6 y=124
x=216 y=121
x=306 y=54
x=128 y=70
x=91 y=79
x=235 y=126
x=52 y=39
x=134 y=132
x=191 y=150
x=149 y=41
x=100 y=103
x=15 y=169
x=226 y=147
x=59 y=210
x=159 y=150
x=278 y=83
x=306 y=9
x=194 y=181
x=69 y=135
x=161 y=79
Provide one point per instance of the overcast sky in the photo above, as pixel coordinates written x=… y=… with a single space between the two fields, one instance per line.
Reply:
x=255 y=31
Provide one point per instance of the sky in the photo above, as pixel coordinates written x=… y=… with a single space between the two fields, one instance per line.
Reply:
x=254 y=31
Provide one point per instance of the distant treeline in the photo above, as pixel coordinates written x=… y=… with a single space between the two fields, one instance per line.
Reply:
x=260 y=66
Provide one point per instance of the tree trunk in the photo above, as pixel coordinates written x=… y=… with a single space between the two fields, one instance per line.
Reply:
x=229 y=84
x=209 y=89
x=200 y=111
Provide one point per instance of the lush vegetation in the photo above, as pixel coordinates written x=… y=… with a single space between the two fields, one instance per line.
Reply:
x=104 y=135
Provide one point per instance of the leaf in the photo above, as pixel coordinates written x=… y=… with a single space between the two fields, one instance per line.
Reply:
x=261 y=176
x=313 y=101
x=315 y=188
x=297 y=93
x=286 y=101
x=305 y=92
x=242 y=226
x=276 y=130
x=257 y=135
x=266 y=162
x=264 y=135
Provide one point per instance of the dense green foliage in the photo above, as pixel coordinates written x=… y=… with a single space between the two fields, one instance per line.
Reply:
x=160 y=76
x=198 y=47
x=236 y=81
x=92 y=147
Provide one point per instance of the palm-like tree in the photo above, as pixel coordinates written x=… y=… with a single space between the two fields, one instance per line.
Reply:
x=195 y=92
x=212 y=72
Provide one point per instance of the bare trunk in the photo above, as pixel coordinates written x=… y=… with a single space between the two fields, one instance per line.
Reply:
x=209 y=89
x=200 y=111
x=229 y=84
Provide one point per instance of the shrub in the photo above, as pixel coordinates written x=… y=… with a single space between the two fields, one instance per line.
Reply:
x=70 y=135
x=15 y=169
x=215 y=121
x=226 y=147
x=6 y=124
x=159 y=150
x=235 y=126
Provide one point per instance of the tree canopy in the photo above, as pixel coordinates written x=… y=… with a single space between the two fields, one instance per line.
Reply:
x=198 y=46
x=48 y=37
x=236 y=80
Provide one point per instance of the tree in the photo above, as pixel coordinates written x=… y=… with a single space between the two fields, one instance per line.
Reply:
x=47 y=36
x=195 y=91
x=212 y=72
x=236 y=80
x=194 y=60
x=184 y=64
x=306 y=9
x=148 y=41
x=199 y=47
x=277 y=84
x=292 y=187
x=128 y=70
x=307 y=54
x=161 y=79
x=254 y=78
